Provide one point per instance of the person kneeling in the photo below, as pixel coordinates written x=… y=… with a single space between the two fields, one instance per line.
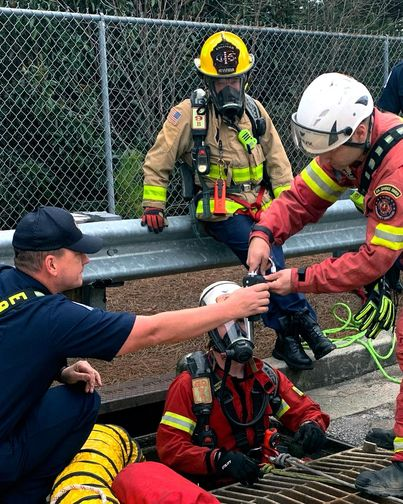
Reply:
x=218 y=407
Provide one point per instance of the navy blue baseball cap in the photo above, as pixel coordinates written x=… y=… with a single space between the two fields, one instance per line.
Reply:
x=53 y=228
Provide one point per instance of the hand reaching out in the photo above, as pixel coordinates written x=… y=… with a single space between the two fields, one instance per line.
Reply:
x=280 y=282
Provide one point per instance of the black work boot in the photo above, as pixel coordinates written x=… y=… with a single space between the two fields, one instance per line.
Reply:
x=310 y=332
x=383 y=438
x=288 y=346
x=385 y=482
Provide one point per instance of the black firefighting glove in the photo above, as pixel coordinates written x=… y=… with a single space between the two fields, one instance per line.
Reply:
x=310 y=437
x=378 y=312
x=238 y=466
x=154 y=219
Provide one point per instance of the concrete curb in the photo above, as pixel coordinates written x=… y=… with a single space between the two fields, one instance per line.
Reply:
x=340 y=365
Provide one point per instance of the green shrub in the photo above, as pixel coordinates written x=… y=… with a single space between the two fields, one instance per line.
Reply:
x=129 y=185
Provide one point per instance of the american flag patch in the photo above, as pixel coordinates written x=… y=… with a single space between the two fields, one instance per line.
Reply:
x=174 y=116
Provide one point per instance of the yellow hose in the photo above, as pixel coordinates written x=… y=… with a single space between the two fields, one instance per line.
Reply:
x=108 y=449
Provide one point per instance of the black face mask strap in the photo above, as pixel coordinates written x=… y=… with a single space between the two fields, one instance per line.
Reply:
x=221 y=398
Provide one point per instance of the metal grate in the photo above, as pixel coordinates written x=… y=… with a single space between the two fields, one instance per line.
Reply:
x=285 y=487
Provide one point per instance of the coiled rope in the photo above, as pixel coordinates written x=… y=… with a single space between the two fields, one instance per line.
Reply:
x=347 y=324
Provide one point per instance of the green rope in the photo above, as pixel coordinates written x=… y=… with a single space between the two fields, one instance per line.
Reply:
x=347 y=324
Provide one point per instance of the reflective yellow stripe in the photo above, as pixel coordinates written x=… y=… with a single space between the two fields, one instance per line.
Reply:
x=284 y=407
x=240 y=175
x=178 y=422
x=278 y=190
x=320 y=183
x=398 y=444
x=388 y=236
x=155 y=193
x=298 y=391
x=230 y=206
x=215 y=171
x=250 y=173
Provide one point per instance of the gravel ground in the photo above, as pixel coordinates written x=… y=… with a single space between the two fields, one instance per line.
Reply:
x=153 y=295
x=353 y=428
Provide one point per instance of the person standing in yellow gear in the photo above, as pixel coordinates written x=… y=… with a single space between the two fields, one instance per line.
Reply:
x=238 y=164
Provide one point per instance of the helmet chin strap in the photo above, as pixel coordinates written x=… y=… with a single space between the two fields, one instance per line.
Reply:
x=364 y=146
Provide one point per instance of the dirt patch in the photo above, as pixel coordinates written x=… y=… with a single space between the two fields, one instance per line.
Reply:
x=154 y=295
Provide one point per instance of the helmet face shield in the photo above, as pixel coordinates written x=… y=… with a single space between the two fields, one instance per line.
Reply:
x=316 y=142
x=234 y=338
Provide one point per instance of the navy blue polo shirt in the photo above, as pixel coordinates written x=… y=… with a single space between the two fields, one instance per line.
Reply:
x=391 y=99
x=39 y=335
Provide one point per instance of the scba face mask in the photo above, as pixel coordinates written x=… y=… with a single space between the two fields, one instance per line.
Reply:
x=235 y=338
x=228 y=95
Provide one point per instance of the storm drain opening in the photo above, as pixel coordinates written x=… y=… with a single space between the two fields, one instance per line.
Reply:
x=297 y=486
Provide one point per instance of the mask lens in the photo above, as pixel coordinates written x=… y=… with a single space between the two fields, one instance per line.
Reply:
x=228 y=95
x=235 y=330
x=234 y=83
x=238 y=340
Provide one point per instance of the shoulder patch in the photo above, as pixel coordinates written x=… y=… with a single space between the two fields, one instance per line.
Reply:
x=387 y=188
x=385 y=206
x=174 y=116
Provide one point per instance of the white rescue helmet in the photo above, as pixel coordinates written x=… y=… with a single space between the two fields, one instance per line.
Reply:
x=330 y=110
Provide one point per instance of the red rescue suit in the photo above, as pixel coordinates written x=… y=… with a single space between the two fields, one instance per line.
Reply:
x=313 y=191
x=174 y=435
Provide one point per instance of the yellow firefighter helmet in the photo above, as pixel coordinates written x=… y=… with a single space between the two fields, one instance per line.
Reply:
x=224 y=54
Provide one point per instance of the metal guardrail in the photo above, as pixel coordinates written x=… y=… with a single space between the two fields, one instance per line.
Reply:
x=131 y=252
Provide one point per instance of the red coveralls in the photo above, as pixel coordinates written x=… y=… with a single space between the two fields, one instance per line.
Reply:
x=174 y=435
x=312 y=192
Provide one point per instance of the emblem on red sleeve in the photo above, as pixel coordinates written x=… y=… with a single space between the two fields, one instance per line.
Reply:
x=385 y=207
x=388 y=188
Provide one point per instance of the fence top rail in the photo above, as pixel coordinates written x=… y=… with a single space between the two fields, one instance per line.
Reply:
x=131 y=252
x=12 y=11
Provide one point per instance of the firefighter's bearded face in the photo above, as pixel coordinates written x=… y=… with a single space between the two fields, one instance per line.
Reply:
x=228 y=95
x=234 y=339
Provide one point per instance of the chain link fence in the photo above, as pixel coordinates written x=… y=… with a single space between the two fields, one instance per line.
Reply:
x=84 y=96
